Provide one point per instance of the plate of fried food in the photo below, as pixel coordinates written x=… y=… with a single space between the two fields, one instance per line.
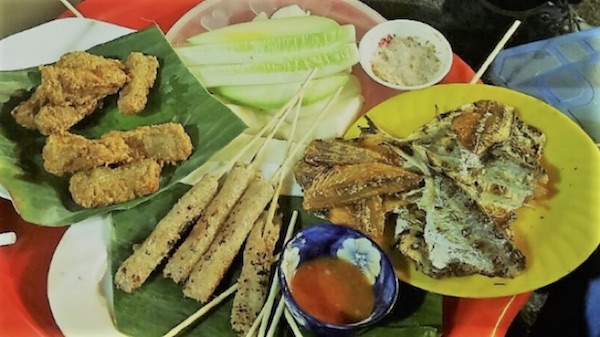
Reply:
x=485 y=191
x=105 y=129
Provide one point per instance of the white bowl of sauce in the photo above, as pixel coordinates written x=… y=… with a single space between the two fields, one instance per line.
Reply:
x=405 y=54
x=336 y=280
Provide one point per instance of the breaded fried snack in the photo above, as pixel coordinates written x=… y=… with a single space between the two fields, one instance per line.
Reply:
x=69 y=153
x=166 y=143
x=69 y=91
x=105 y=186
x=141 y=70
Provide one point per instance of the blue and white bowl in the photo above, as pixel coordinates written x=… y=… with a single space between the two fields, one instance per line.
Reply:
x=350 y=245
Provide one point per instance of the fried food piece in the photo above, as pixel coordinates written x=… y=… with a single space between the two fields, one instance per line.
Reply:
x=24 y=113
x=134 y=271
x=346 y=184
x=69 y=153
x=450 y=236
x=79 y=78
x=141 y=70
x=166 y=143
x=206 y=228
x=253 y=281
x=69 y=91
x=211 y=268
x=56 y=118
x=105 y=186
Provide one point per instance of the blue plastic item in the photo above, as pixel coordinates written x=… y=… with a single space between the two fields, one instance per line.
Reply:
x=562 y=71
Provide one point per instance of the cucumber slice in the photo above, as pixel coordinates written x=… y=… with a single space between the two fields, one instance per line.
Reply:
x=274 y=96
x=262 y=29
x=295 y=69
x=288 y=12
x=264 y=50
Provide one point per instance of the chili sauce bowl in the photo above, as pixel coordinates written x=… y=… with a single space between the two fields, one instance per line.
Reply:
x=349 y=248
x=408 y=59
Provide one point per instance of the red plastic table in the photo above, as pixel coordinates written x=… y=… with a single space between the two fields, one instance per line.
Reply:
x=24 y=307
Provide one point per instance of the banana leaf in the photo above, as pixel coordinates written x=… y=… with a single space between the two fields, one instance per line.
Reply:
x=159 y=305
x=177 y=96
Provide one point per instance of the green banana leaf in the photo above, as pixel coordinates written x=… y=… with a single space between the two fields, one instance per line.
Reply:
x=160 y=305
x=177 y=96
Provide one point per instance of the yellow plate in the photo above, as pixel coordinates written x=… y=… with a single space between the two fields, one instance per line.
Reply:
x=559 y=233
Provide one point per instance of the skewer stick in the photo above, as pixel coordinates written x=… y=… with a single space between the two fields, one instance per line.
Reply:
x=509 y=33
x=205 y=309
x=268 y=307
x=276 y=318
x=271 y=135
x=256 y=323
x=300 y=145
x=72 y=9
x=292 y=323
x=280 y=114
x=7 y=238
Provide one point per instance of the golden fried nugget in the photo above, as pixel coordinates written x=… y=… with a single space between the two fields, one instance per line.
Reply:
x=56 y=118
x=105 y=186
x=142 y=74
x=69 y=153
x=166 y=143
x=69 y=91
x=25 y=112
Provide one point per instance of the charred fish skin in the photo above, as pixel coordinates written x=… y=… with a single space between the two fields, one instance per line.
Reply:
x=346 y=184
x=136 y=269
x=455 y=238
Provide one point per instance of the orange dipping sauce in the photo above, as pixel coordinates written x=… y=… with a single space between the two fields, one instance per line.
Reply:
x=333 y=290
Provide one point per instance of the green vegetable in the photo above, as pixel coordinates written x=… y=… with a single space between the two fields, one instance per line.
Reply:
x=266 y=50
x=263 y=29
x=44 y=199
x=274 y=96
x=295 y=69
x=159 y=305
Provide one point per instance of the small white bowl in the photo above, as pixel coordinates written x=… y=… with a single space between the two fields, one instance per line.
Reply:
x=403 y=28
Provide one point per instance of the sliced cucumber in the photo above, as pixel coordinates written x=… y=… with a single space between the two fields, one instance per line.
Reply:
x=274 y=96
x=295 y=69
x=265 y=50
x=263 y=29
x=289 y=12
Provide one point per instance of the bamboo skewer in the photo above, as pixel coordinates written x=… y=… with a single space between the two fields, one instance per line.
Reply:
x=276 y=318
x=206 y=308
x=198 y=314
x=275 y=122
x=268 y=307
x=72 y=9
x=292 y=323
x=509 y=33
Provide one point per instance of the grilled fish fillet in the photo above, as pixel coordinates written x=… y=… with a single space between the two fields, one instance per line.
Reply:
x=452 y=237
x=331 y=152
x=347 y=184
x=134 y=271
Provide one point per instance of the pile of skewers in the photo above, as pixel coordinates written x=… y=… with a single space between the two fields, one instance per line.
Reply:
x=221 y=212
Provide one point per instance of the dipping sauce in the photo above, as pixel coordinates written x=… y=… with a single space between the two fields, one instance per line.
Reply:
x=405 y=60
x=333 y=290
